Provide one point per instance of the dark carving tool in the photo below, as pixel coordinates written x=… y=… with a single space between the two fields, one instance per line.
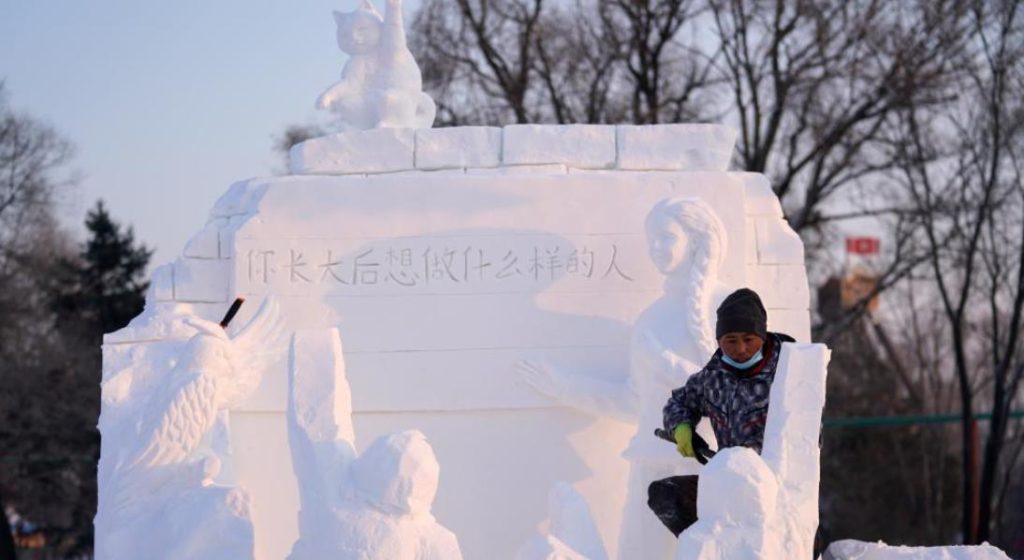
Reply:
x=701 y=448
x=232 y=311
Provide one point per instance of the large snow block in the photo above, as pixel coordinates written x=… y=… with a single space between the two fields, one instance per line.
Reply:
x=586 y=146
x=543 y=169
x=241 y=198
x=206 y=243
x=760 y=199
x=858 y=550
x=675 y=147
x=464 y=146
x=777 y=243
x=364 y=151
x=791 y=441
x=201 y=280
x=440 y=283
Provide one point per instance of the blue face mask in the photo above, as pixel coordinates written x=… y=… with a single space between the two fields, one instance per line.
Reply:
x=743 y=365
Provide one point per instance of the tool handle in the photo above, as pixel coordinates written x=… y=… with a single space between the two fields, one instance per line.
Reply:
x=701 y=448
x=232 y=311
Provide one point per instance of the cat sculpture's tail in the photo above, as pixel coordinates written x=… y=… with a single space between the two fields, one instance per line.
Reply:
x=426 y=110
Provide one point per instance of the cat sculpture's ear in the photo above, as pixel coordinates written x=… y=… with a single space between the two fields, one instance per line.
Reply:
x=369 y=7
x=339 y=17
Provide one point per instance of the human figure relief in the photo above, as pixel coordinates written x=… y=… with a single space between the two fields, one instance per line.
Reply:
x=381 y=85
x=375 y=505
x=161 y=496
x=687 y=243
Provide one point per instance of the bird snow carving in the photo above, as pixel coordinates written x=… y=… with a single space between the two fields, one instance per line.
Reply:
x=213 y=374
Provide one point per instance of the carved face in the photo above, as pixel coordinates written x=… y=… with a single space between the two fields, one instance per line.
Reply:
x=667 y=243
x=740 y=346
x=358 y=31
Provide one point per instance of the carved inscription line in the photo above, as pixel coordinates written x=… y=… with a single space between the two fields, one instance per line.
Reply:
x=407 y=267
x=511 y=349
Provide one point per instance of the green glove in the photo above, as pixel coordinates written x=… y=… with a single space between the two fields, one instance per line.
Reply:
x=684 y=440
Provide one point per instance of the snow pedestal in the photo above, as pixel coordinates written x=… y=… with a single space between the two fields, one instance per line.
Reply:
x=441 y=272
x=751 y=506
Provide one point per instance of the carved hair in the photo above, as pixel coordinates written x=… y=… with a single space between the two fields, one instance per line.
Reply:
x=706 y=252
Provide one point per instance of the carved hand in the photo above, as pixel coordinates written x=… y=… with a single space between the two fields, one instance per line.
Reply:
x=667 y=365
x=542 y=377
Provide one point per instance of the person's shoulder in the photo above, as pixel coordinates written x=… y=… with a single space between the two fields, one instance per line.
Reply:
x=781 y=337
x=713 y=362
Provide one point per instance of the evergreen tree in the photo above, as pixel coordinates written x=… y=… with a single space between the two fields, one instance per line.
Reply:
x=105 y=287
x=51 y=403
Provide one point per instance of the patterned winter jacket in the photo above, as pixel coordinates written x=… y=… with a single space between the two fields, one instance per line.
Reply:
x=735 y=401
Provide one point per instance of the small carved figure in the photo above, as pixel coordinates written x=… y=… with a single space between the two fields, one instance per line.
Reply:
x=569 y=532
x=376 y=505
x=381 y=85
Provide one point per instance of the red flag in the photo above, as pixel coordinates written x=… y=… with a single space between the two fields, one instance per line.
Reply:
x=862 y=245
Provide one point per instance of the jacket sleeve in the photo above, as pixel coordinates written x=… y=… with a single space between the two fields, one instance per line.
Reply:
x=684 y=406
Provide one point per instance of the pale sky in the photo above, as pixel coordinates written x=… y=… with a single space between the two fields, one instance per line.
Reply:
x=168 y=103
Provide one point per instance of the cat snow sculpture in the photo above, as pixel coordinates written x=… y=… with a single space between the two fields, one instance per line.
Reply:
x=381 y=85
x=159 y=500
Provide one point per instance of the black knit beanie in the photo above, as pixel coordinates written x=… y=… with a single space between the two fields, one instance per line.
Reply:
x=742 y=311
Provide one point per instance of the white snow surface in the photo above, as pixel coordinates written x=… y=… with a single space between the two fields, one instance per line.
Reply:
x=859 y=550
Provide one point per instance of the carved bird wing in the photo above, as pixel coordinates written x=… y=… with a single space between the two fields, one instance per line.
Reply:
x=254 y=347
x=189 y=411
x=261 y=338
x=181 y=415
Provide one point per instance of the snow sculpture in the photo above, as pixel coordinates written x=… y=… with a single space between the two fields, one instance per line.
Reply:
x=857 y=550
x=381 y=85
x=425 y=241
x=686 y=241
x=751 y=506
x=376 y=505
x=570 y=531
x=158 y=498
x=737 y=500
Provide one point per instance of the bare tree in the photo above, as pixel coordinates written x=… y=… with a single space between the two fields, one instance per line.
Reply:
x=33 y=160
x=815 y=85
x=590 y=61
x=962 y=170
